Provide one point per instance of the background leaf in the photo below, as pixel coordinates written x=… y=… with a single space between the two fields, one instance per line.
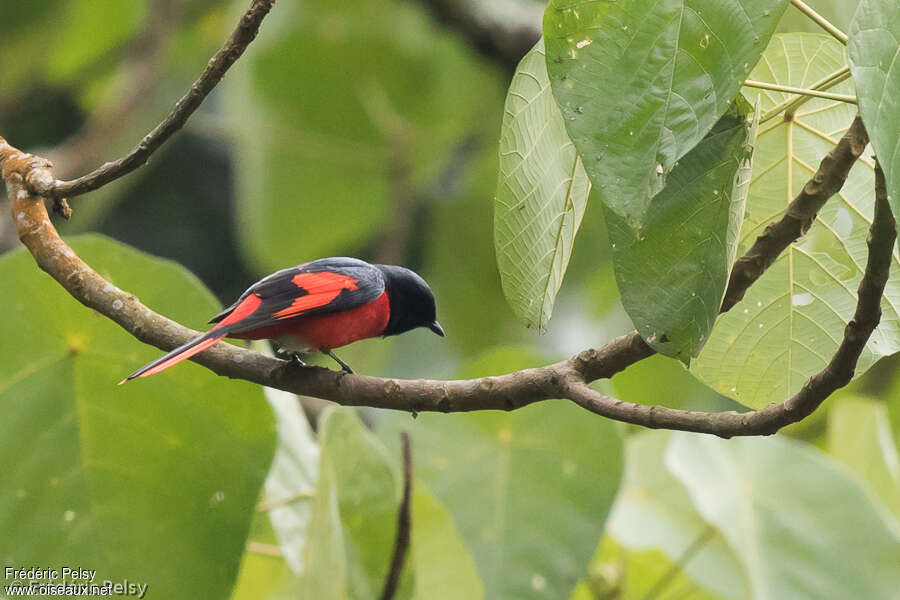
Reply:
x=804 y=529
x=498 y=472
x=859 y=435
x=792 y=319
x=541 y=194
x=654 y=511
x=628 y=575
x=443 y=565
x=154 y=481
x=333 y=101
x=672 y=275
x=354 y=514
x=291 y=482
x=640 y=83
x=873 y=50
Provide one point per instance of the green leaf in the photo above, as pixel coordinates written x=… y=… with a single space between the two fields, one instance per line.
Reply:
x=641 y=82
x=354 y=514
x=802 y=528
x=672 y=275
x=91 y=30
x=542 y=192
x=154 y=481
x=623 y=575
x=654 y=511
x=873 y=50
x=521 y=486
x=792 y=319
x=443 y=566
x=668 y=383
x=264 y=573
x=290 y=485
x=328 y=106
x=859 y=435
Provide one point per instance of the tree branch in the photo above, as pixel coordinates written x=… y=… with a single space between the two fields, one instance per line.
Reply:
x=828 y=179
x=565 y=379
x=215 y=70
x=30 y=181
x=836 y=374
x=404 y=524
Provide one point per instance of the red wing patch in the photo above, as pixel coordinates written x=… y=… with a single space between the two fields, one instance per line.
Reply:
x=244 y=309
x=321 y=289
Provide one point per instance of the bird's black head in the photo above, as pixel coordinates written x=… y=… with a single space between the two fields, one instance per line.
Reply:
x=412 y=304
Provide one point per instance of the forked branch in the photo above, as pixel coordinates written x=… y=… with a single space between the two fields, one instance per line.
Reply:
x=30 y=182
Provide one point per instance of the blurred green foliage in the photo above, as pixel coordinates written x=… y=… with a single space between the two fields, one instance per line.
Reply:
x=365 y=128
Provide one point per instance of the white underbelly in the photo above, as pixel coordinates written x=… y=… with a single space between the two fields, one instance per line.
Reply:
x=292 y=343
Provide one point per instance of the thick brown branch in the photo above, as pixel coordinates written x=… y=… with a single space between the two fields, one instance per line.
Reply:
x=404 y=524
x=220 y=63
x=800 y=213
x=836 y=374
x=798 y=217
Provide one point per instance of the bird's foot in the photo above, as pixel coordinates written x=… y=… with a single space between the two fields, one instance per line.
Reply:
x=292 y=357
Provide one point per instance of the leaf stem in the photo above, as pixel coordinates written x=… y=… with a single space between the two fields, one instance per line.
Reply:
x=820 y=21
x=803 y=91
x=793 y=104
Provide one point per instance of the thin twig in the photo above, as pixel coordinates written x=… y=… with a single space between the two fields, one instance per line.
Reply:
x=789 y=107
x=787 y=89
x=264 y=549
x=678 y=566
x=218 y=65
x=821 y=21
x=267 y=505
x=135 y=78
x=404 y=524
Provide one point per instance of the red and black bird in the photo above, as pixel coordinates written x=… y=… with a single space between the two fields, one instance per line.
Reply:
x=318 y=306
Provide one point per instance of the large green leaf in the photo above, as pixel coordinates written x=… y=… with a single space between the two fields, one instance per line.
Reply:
x=792 y=319
x=350 y=538
x=672 y=275
x=641 y=82
x=291 y=482
x=529 y=490
x=354 y=514
x=802 y=528
x=331 y=103
x=443 y=566
x=859 y=435
x=654 y=511
x=874 y=52
x=542 y=192
x=154 y=481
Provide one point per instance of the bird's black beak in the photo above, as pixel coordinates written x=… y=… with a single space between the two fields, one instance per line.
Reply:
x=436 y=327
